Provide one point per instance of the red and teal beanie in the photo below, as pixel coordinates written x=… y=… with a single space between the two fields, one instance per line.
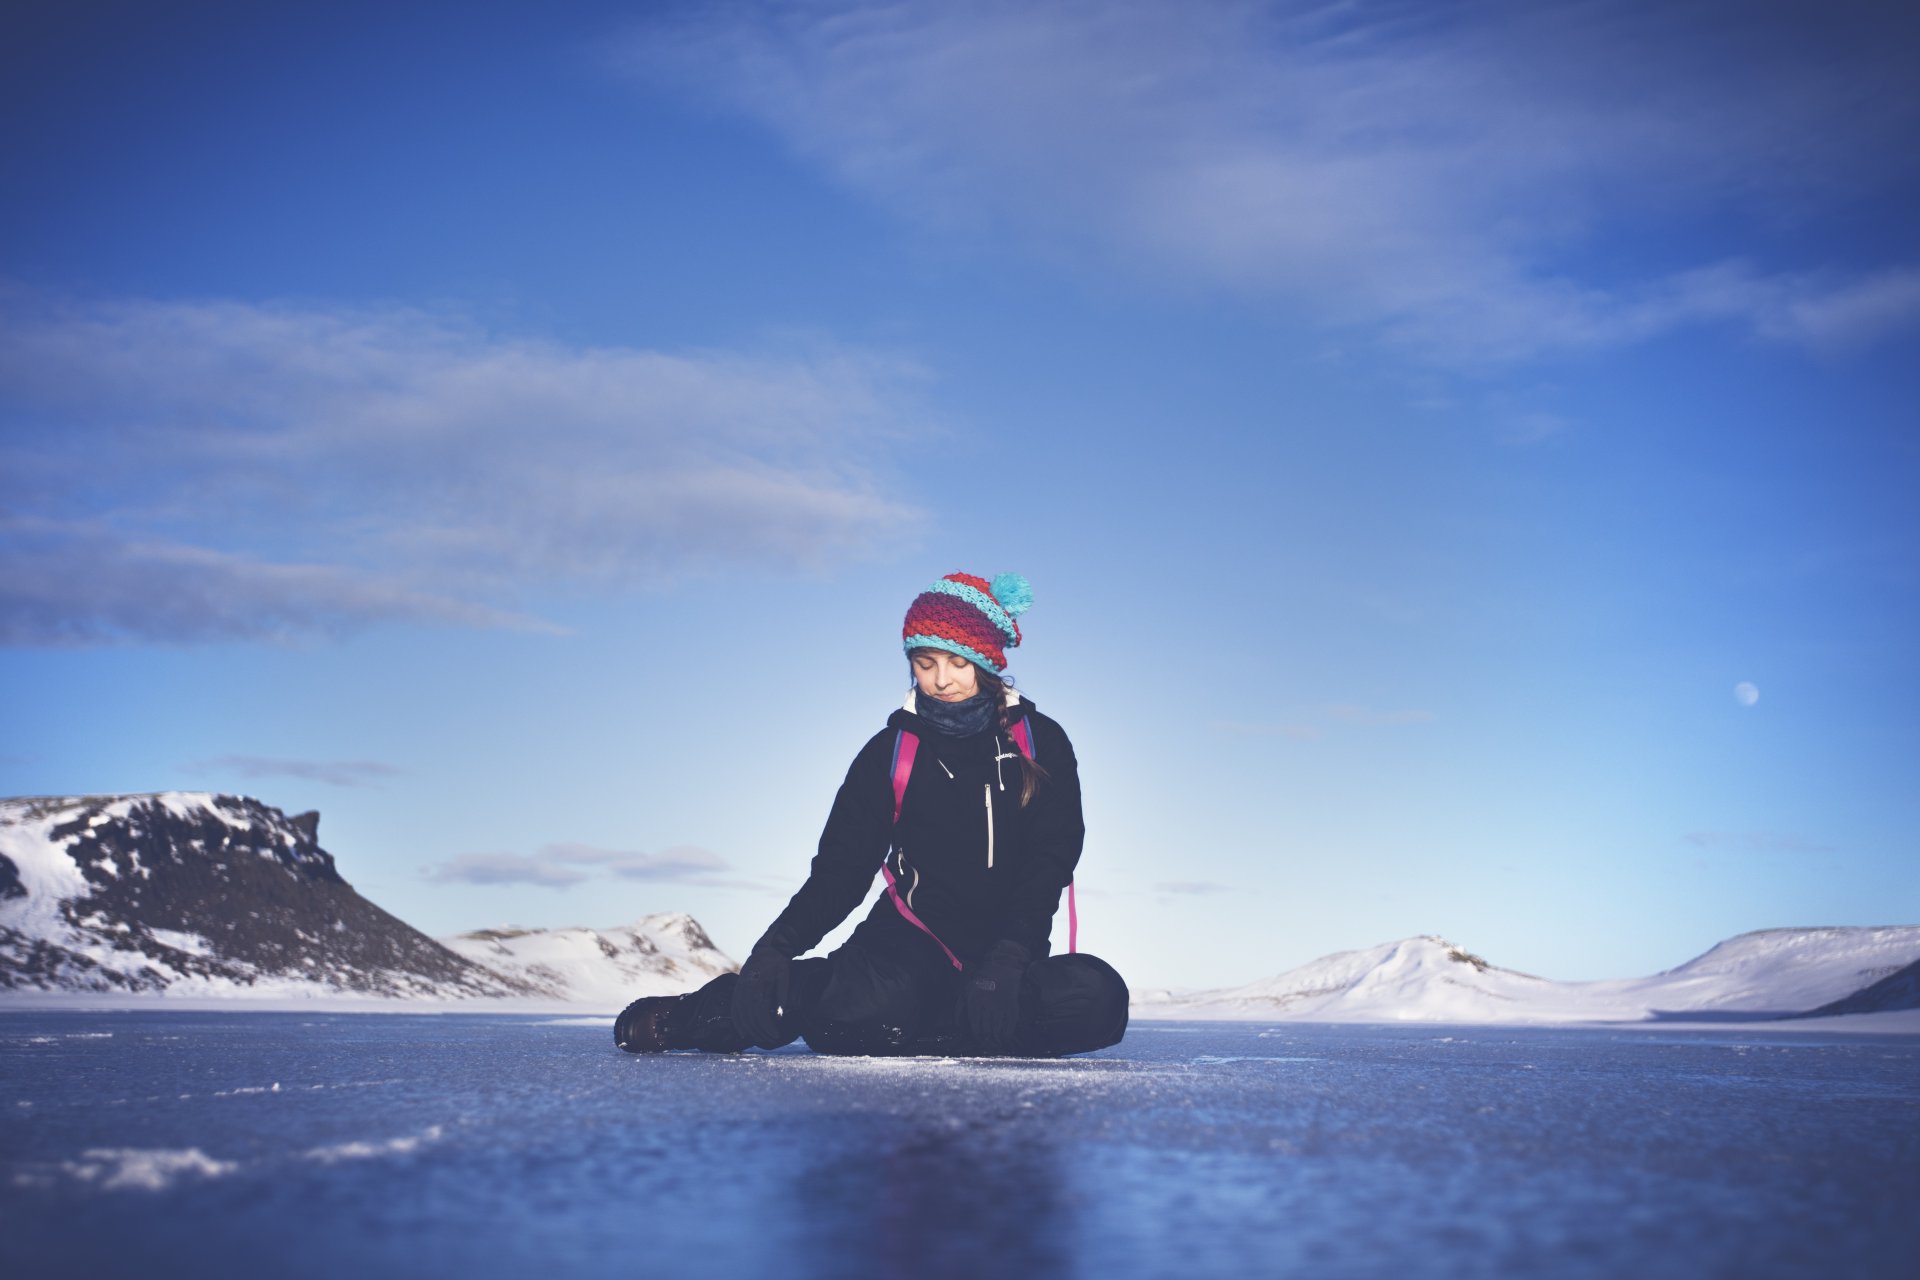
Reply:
x=969 y=616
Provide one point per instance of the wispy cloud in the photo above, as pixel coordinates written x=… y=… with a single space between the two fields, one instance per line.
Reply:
x=1312 y=725
x=1756 y=842
x=183 y=472
x=1267 y=729
x=81 y=582
x=338 y=773
x=680 y=862
x=1445 y=175
x=1191 y=887
x=562 y=864
x=504 y=868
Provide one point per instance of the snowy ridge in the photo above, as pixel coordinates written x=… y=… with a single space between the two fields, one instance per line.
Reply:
x=1898 y=991
x=1765 y=974
x=197 y=894
x=657 y=955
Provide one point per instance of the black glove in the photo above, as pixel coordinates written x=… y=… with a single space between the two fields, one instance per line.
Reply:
x=993 y=994
x=760 y=995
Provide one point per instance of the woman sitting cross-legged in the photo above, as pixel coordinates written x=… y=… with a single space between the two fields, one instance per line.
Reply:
x=969 y=802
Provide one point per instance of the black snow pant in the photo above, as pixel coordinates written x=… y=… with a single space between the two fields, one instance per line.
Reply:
x=891 y=990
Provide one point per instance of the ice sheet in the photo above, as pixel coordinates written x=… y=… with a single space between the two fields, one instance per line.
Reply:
x=497 y=1146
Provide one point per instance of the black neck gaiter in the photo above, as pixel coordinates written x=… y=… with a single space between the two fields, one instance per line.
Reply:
x=956 y=719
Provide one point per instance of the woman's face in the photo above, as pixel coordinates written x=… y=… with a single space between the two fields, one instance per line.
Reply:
x=946 y=676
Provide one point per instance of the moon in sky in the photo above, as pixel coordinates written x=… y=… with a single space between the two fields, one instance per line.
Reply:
x=1746 y=693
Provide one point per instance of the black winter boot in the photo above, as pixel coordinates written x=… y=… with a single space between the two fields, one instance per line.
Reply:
x=642 y=1025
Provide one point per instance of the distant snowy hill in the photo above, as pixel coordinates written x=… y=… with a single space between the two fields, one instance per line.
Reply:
x=1898 y=990
x=657 y=955
x=195 y=894
x=198 y=894
x=1428 y=979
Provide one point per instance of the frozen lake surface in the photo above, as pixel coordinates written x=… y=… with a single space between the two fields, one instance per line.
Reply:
x=164 y=1144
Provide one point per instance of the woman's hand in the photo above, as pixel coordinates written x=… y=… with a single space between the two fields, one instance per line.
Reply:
x=993 y=995
x=760 y=996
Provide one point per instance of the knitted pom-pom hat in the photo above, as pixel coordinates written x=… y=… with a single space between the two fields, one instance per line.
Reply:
x=969 y=616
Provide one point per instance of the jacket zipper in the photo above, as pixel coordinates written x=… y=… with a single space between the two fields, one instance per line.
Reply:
x=987 y=791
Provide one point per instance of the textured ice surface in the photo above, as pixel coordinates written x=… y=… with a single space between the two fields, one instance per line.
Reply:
x=189 y=1144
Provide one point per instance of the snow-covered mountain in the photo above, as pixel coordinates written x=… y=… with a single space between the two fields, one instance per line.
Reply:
x=657 y=955
x=1898 y=990
x=1428 y=979
x=199 y=894
x=213 y=895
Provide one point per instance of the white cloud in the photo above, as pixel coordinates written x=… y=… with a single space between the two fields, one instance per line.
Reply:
x=682 y=862
x=504 y=868
x=1847 y=314
x=1191 y=887
x=562 y=864
x=79 y=583
x=196 y=471
x=1261 y=729
x=338 y=773
x=1439 y=174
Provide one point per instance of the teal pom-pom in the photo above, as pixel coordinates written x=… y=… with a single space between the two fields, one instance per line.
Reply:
x=1014 y=593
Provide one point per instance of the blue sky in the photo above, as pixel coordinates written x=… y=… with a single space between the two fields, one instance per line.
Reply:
x=517 y=432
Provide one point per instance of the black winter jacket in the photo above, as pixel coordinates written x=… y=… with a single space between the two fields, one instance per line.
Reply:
x=973 y=864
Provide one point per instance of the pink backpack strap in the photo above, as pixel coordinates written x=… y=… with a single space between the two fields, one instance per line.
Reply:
x=905 y=747
x=1023 y=737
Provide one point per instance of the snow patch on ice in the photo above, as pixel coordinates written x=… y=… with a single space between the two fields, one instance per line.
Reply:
x=141 y=1169
x=374 y=1150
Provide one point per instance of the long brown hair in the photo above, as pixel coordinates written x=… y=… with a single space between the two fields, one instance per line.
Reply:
x=995 y=687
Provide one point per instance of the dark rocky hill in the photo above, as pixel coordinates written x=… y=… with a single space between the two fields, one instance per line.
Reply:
x=201 y=893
